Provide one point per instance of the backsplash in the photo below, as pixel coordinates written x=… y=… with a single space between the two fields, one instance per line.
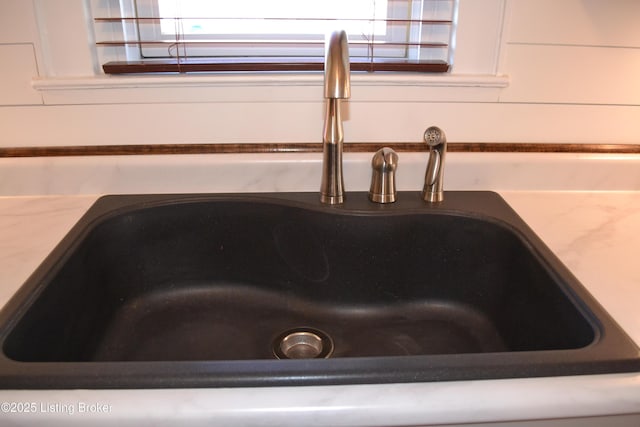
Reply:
x=261 y=172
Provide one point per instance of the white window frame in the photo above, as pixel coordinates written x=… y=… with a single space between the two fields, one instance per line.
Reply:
x=70 y=71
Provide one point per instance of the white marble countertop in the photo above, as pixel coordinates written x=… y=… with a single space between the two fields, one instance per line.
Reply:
x=595 y=233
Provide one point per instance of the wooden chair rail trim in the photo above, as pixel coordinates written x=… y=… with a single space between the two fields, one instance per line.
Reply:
x=454 y=147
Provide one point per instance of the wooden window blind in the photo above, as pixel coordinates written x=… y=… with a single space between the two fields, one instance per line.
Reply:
x=182 y=36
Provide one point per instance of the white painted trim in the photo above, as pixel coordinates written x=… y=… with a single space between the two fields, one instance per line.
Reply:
x=265 y=88
x=244 y=80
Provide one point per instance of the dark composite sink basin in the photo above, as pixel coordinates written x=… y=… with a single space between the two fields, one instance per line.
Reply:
x=212 y=290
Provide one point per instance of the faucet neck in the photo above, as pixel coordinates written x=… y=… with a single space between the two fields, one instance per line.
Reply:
x=332 y=185
x=333 y=130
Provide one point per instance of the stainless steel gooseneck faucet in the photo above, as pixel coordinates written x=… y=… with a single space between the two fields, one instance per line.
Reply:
x=337 y=86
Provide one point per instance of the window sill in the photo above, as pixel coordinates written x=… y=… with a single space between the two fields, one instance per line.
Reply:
x=298 y=87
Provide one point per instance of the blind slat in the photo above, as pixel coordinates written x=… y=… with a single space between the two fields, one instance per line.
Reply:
x=151 y=19
x=231 y=43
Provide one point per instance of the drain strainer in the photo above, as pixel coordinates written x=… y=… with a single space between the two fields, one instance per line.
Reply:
x=303 y=343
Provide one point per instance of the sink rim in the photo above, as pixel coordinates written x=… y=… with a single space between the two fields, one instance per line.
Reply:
x=356 y=370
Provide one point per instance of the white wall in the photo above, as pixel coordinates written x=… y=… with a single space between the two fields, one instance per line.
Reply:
x=525 y=71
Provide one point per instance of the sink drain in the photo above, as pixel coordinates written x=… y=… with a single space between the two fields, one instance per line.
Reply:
x=303 y=343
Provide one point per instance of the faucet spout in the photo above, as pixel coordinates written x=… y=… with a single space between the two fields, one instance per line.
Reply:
x=337 y=86
x=337 y=82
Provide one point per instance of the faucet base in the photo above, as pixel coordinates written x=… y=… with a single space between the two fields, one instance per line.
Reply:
x=433 y=196
x=332 y=185
x=331 y=200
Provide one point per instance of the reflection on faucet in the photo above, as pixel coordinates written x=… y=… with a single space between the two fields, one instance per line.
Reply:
x=337 y=86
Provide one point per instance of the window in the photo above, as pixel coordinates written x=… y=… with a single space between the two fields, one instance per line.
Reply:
x=277 y=35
